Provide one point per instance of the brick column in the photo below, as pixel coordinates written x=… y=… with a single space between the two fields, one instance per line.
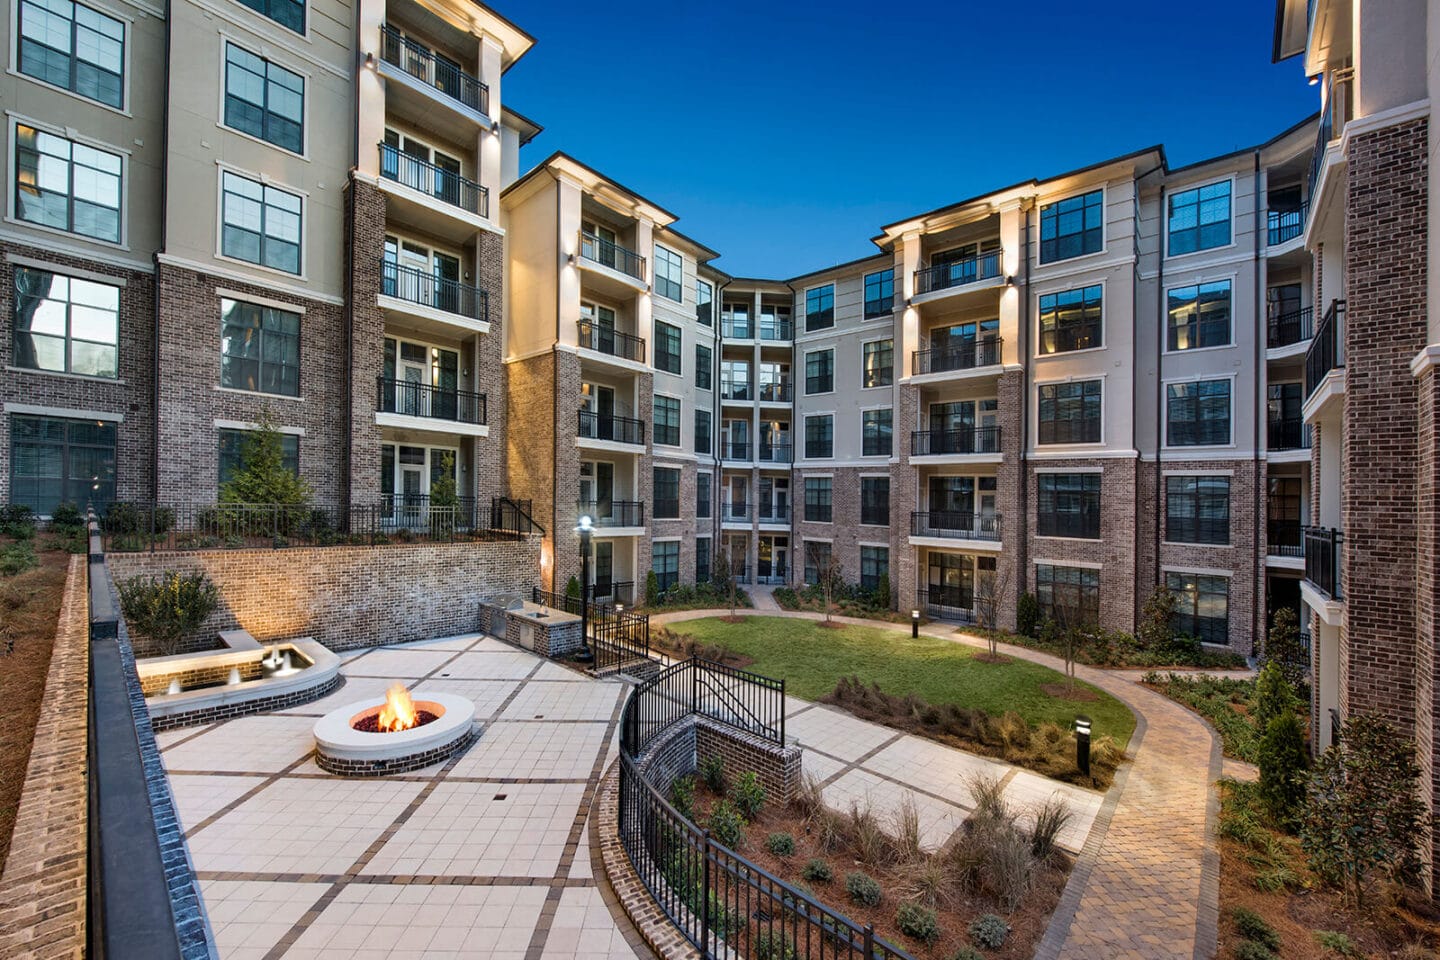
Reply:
x=365 y=243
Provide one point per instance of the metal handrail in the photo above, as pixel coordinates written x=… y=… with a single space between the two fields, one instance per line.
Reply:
x=444 y=185
x=943 y=276
x=605 y=339
x=934 y=443
x=427 y=290
x=423 y=400
x=736 y=450
x=968 y=355
x=1287 y=433
x=610 y=254
x=613 y=513
x=735 y=390
x=776 y=392
x=1289 y=328
x=595 y=426
x=1323 y=550
x=776 y=329
x=1282 y=226
x=1327 y=348
x=737 y=328
x=954 y=524
x=774 y=452
x=422 y=63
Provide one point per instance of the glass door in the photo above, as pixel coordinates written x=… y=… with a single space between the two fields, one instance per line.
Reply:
x=602 y=583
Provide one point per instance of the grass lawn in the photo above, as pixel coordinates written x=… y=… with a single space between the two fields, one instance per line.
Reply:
x=812 y=658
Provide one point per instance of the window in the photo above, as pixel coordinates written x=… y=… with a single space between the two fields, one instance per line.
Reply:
x=665 y=561
x=702 y=559
x=1068 y=595
x=703 y=366
x=877 y=363
x=702 y=431
x=819 y=437
x=1197 y=509
x=1071 y=320
x=66 y=324
x=875 y=501
x=54 y=461
x=73 y=47
x=667 y=347
x=1200 y=218
x=1070 y=412
x=232 y=453
x=1199 y=316
x=667 y=421
x=261 y=224
x=704 y=299
x=817 y=499
x=820 y=307
x=879 y=294
x=1069 y=505
x=819 y=372
x=264 y=99
x=702 y=495
x=66 y=185
x=1202 y=607
x=287 y=13
x=874 y=564
x=1197 y=414
x=667 y=493
x=817 y=560
x=876 y=430
x=1072 y=227
x=669 y=274
x=259 y=348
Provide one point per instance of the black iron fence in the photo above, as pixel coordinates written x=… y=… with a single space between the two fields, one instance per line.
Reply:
x=422 y=400
x=1284 y=225
x=1284 y=538
x=1327 y=350
x=447 y=186
x=428 y=290
x=931 y=443
x=613 y=513
x=610 y=254
x=776 y=392
x=955 y=524
x=617 y=638
x=606 y=339
x=946 y=603
x=1290 y=328
x=957 y=273
x=1323 y=547
x=1287 y=433
x=419 y=61
x=964 y=355
x=600 y=426
x=774 y=452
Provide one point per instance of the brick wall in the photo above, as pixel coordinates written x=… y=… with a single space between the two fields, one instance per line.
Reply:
x=844 y=531
x=777 y=767
x=365 y=333
x=1427 y=522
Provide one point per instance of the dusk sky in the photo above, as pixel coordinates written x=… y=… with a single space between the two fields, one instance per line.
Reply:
x=784 y=134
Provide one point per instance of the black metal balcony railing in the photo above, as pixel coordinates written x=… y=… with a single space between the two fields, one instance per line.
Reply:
x=420 y=62
x=946 y=603
x=942 y=276
x=735 y=449
x=608 y=340
x=955 y=524
x=775 y=329
x=1327 y=349
x=1284 y=225
x=735 y=390
x=1323 y=547
x=1289 y=328
x=597 y=426
x=733 y=510
x=1291 y=433
x=779 y=392
x=434 y=403
x=1284 y=538
x=737 y=328
x=774 y=452
x=1338 y=111
x=773 y=512
x=610 y=254
x=613 y=513
x=428 y=290
x=965 y=355
x=444 y=185
x=932 y=443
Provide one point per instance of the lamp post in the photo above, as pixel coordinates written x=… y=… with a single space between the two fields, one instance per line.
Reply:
x=1082 y=744
x=914 y=624
x=585 y=529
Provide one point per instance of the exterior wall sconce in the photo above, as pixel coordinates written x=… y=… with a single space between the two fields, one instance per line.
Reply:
x=370 y=61
x=1010 y=280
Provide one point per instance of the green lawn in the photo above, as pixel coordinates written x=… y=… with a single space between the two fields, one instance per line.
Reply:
x=811 y=658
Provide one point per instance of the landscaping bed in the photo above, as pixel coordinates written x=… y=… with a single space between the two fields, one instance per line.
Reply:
x=1227 y=703
x=846 y=601
x=1119 y=651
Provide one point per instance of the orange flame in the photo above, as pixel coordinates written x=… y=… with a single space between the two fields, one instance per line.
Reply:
x=399 y=710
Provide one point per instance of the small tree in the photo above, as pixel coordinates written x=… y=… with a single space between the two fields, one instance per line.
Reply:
x=882 y=591
x=1027 y=615
x=262 y=476
x=572 y=588
x=1282 y=761
x=828 y=570
x=652 y=589
x=166 y=608
x=1157 y=620
x=1283 y=647
x=444 y=496
x=1273 y=697
x=990 y=588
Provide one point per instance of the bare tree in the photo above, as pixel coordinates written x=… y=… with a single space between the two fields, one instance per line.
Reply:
x=828 y=570
x=990 y=588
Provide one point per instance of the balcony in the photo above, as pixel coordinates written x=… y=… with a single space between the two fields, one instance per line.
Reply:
x=1284 y=538
x=403 y=398
x=612 y=256
x=611 y=342
x=737 y=328
x=946 y=276
x=738 y=390
x=966 y=355
x=946 y=603
x=418 y=66
x=611 y=429
x=426 y=296
x=613 y=513
x=415 y=511
x=776 y=329
x=955 y=525
x=1289 y=329
x=1288 y=433
x=1327 y=349
x=735 y=511
x=738 y=450
x=445 y=186
x=1338 y=112
x=1323 y=547
x=1282 y=226
x=781 y=391
x=774 y=452
x=946 y=443
x=773 y=512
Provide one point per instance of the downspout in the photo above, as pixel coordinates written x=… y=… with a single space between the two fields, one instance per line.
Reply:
x=555 y=428
x=349 y=311
x=717 y=426
x=155 y=261
x=1161 y=329
x=796 y=438
x=1261 y=467
x=1023 y=540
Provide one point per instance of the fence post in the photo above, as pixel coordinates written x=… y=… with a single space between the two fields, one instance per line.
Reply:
x=153 y=507
x=869 y=941
x=782 y=711
x=704 y=893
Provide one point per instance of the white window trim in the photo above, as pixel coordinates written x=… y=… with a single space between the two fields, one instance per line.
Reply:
x=74 y=136
x=1042 y=202
x=305 y=76
x=1229 y=278
x=226 y=293
x=1164 y=411
x=251 y=426
x=275 y=24
x=676 y=253
x=806 y=366
x=864 y=278
x=222 y=168
x=1198 y=571
x=1059 y=288
x=679 y=423
x=655 y=347
x=1073 y=378
x=63 y=413
x=127 y=43
x=834 y=320
x=863 y=345
x=1081 y=564
x=1196 y=185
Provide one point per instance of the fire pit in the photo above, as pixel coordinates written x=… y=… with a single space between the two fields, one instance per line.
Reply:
x=369 y=739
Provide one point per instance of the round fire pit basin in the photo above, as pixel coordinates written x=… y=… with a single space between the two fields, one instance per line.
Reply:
x=342 y=749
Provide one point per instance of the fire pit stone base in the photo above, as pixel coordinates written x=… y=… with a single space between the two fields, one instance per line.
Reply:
x=343 y=750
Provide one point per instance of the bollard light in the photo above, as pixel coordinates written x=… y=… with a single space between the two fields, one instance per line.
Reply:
x=914 y=624
x=1082 y=744
x=619 y=608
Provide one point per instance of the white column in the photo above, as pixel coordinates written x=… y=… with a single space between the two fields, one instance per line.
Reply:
x=488 y=146
x=371 y=116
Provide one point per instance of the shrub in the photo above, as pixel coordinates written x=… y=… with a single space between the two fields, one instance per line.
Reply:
x=1050 y=819
x=682 y=795
x=817 y=871
x=1283 y=761
x=17 y=520
x=572 y=588
x=918 y=922
x=67 y=517
x=928 y=880
x=1027 y=615
x=652 y=589
x=1283 y=648
x=882 y=592
x=773 y=945
x=1273 y=697
x=263 y=476
x=167 y=607
x=17 y=557
x=862 y=889
x=966 y=953
x=712 y=771
x=872 y=844
x=988 y=930
x=1337 y=942
x=726 y=825
x=1250 y=950
x=132 y=519
x=748 y=794
x=1157 y=617
x=780 y=844
x=1252 y=926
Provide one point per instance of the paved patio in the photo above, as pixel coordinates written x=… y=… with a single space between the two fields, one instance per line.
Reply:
x=487 y=855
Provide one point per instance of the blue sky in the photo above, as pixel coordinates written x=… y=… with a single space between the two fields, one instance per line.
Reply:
x=783 y=133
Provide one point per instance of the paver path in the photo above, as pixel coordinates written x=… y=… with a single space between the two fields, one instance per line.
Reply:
x=1147 y=884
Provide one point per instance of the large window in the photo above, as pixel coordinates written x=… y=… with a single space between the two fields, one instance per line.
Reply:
x=667 y=347
x=66 y=324
x=1197 y=509
x=874 y=564
x=877 y=427
x=819 y=437
x=66 y=185
x=704 y=363
x=1197 y=413
x=232 y=453
x=820 y=307
x=669 y=274
x=1200 y=218
x=261 y=224
x=702 y=495
x=73 y=47
x=704 y=302
x=877 y=363
x=665 y=561
x=817 y=499
x=819 y=371
x=287 y=13
x=259 y=348
x=817 y=560
x=879 y=294
x=702 y=431
x=1072 y=227
x=1070 y=412
x=1068 y=505
x=667 y=493
x=54 y=461
x=875 y=501
x=667 y=421
x=1071 y=320
x=1202 y=606
x=1068 y=595
x=1199 y=316
x=264 y=99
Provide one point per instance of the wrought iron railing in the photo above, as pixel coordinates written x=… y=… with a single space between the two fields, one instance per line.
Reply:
x=1282 y=226
x=427 y=290
x=965 y=355
x=444 y=185
x=608 y=340
x=434 y=403
x=781 y=391
x=776 y=329
x=1289 y=328
x=443 y=75
x=1284 y=538
x=1323 y=548
x=943 y=276
x=734 y=510
x=598 y=426
x=735 y=390
x=1327 y=349
x=613 y=513
x=946 y=603
x=1337 y=112
x=773 y=512
x=737 y=328
x=775 y=452
x=1289 y=433
x=610 y=254
x=955 y=524
x=932 y=443
x=736 y=450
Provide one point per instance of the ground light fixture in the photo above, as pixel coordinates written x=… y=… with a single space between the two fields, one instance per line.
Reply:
x=585 y=528
x=1082 y=743
x=914 y=624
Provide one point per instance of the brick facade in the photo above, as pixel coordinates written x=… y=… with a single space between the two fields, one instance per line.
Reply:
x=364 y=336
